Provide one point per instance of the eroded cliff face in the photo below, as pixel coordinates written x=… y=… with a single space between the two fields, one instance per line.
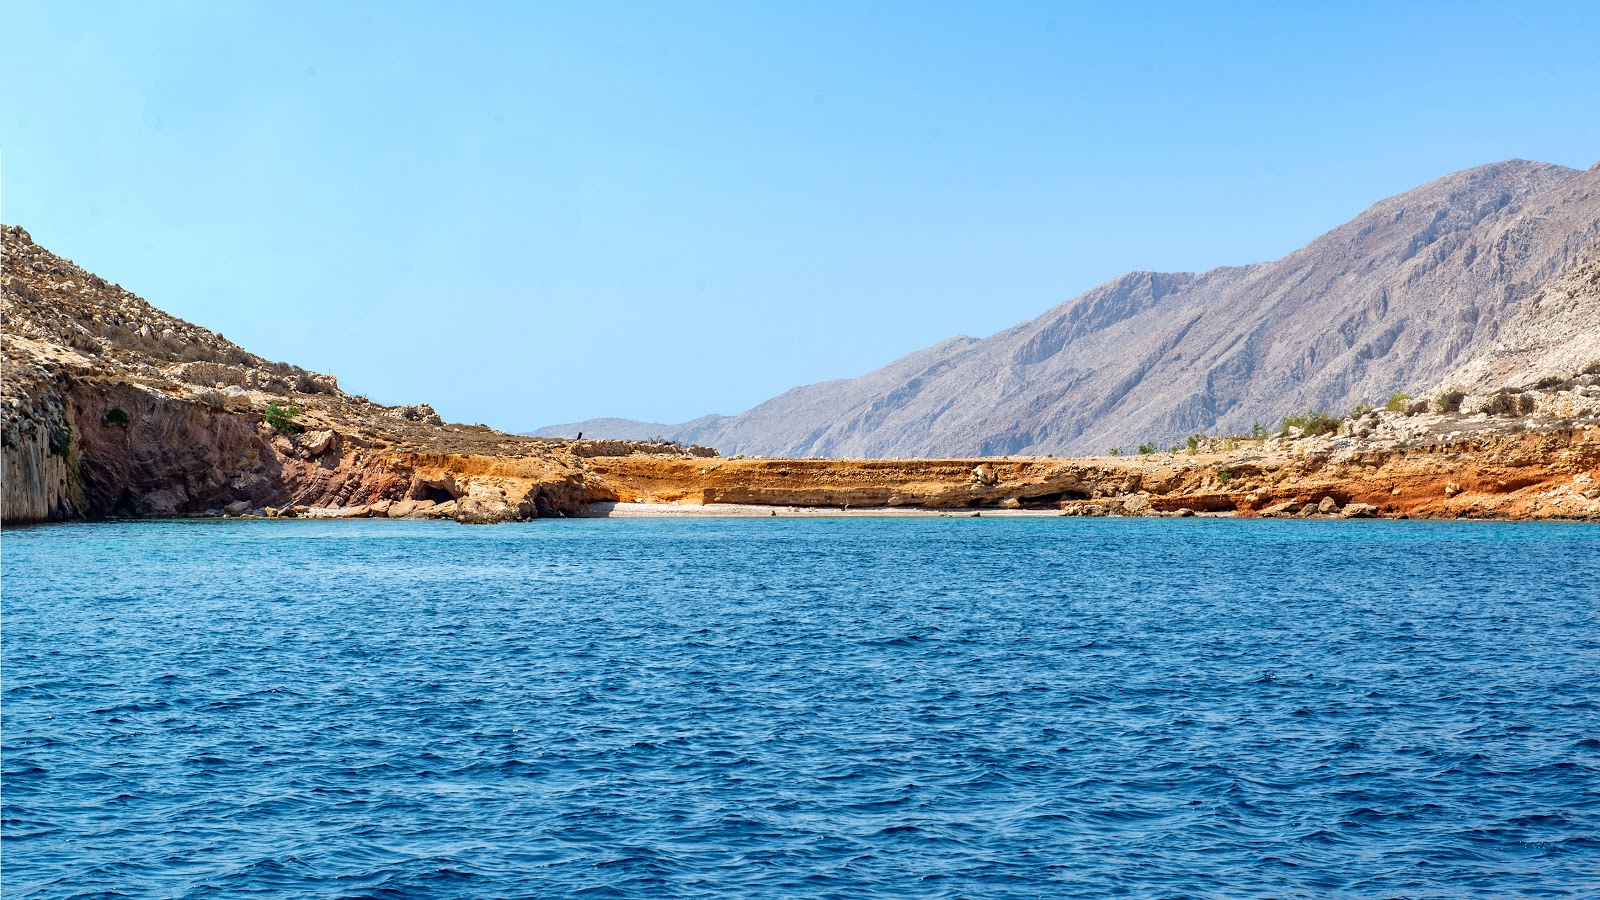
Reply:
x=110 y=407
x=99 y=447
x=39 y=474
x=1515 y=455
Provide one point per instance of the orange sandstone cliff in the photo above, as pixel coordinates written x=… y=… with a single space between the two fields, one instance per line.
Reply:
x=113 y=408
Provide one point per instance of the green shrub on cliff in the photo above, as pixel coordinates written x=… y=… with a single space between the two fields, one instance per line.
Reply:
x=116 y=416
x=281 y=418
x=1311 y=423
x=61 y=440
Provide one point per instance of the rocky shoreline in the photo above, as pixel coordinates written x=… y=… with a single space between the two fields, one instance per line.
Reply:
x=112 y=408
x=1414 y=466
x=1445 y=466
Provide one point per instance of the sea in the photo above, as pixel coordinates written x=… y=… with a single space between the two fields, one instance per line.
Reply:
x=755 y=708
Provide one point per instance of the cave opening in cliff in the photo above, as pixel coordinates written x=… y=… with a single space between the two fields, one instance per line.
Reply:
x=1047 y=501
x=436 y=494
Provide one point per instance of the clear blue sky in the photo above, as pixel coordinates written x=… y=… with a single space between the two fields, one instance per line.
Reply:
x=530 y=214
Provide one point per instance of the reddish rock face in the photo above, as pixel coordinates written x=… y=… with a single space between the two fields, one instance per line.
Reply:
x=143 y=453
x=111 y=407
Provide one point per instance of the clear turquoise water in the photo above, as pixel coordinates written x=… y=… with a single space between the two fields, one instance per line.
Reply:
x=820 y=708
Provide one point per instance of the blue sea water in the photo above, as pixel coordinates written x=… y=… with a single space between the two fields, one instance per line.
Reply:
x=802 y=708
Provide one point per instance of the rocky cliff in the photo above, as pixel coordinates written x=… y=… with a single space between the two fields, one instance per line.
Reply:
x=1504 y=454
x=112 y=407
x=109 y=407
x=1394 y=300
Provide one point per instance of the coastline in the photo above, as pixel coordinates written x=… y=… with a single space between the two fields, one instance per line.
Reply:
x=170 y=420
x=632 y=510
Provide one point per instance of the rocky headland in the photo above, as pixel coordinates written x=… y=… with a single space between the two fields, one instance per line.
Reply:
x=113 y=408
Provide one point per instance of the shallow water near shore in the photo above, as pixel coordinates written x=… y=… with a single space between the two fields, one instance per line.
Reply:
x=802 y=707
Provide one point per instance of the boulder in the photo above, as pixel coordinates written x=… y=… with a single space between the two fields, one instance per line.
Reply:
x=316 y=443
x=161 y=503
x=421 y=412
x=1359 y=511
x=401 y=508
x=236 y=508
x=1185 y=512
x=1328 y=506
x=1286 y=508
x=1011 y=503
x=985 y=476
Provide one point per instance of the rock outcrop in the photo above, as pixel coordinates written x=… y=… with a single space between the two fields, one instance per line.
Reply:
x=111 y=407
x=1394 y=300
x=1536 y=458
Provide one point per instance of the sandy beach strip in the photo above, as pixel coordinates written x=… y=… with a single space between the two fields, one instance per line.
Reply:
x=749 y=510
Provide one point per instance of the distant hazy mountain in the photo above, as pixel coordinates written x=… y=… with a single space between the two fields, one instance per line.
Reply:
x=1399 y=298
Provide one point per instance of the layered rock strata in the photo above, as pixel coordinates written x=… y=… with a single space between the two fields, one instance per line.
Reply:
x=1506 y=455
x=109 y=407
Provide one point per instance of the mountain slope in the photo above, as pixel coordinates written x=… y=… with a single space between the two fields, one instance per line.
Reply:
x=1393 y=300
x=1556 y=334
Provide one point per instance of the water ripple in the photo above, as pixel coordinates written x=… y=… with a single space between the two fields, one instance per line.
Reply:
x=828 y=708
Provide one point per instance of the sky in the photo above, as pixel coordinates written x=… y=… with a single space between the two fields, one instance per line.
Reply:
x=528 y=214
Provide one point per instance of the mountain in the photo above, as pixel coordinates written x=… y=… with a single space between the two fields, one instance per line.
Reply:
x=1394 y=300
x=1554 y=335
x=111 y=407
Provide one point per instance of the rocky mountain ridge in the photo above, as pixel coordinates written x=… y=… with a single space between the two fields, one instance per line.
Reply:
x=1397 y=299
x=110 y=407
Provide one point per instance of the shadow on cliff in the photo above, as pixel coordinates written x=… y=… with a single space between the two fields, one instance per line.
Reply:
x=142 y=454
